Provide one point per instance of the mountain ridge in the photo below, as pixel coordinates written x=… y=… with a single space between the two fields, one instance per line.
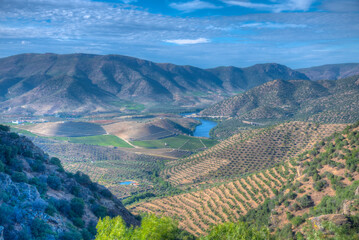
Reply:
x=38 y=83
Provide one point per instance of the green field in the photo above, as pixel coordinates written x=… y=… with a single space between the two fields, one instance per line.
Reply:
x=24 y=132
x=178 y=142
x=100 y=140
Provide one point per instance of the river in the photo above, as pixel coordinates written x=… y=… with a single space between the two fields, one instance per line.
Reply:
x=203 y=129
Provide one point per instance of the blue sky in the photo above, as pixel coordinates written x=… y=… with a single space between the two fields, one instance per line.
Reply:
x=202 y=33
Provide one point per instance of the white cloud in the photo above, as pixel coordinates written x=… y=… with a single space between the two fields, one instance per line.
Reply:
x=188 y=41
x=272 y=25
x=286 y=5
x=193 y=6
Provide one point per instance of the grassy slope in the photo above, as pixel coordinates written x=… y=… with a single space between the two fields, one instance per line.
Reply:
x=101 y=140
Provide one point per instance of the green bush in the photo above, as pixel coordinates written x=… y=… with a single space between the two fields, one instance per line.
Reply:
x=78 y=222
x=39 y=228
x=71 y=235
x=54 y=182
x=77 y=206
x=19 y=177
x=83 y=179
x=40 y=185
x=152 y=228
x=320 y=185
x=240 y=231
x=296 y=221
x=4 y=128
x=2 y=166
x=37 y=166
x=305 y=201
x=99 y=210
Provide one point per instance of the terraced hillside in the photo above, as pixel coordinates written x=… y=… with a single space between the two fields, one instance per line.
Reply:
x=198 y=211
x=319 y=184
x=248 y=152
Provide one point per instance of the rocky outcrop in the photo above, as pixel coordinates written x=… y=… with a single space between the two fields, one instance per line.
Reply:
x=337 y=219
x=38 y=198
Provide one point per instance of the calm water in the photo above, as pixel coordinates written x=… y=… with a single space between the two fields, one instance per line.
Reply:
x=203 y=129
x=126 y=183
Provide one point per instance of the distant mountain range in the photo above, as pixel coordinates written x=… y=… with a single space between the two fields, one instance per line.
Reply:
x=331 y=71
x=83 y=83
x=324 y=101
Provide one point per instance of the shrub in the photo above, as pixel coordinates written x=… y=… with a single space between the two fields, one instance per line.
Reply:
x=305 y=201
x=238 y=230
x=4 y=128
x=320 y=185
x=13 y=135
x=40 y=185
x=75 y=190
x=37 y=166
x=50 y=210
x=106 y=193
x=77 y=206
x=2 y=166
x=19 y=177
x=86 y=235
x=78 y=222
x=99 y=210
x=71 y=235
x=63 y=206
x=39 y=228
x=153 y=227
x=296 y=221
x=82 y=179
x=54 y=182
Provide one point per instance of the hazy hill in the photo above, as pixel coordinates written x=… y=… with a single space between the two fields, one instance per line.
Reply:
x=327 y=101
x=51 y=83
x=331 y=71
x=45 y=202
x=245 y=78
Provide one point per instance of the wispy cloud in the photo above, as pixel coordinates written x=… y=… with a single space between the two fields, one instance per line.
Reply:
x=294 y=38
x=284 y=5
x=188 y=41
x=273 y=25
x=193 y=6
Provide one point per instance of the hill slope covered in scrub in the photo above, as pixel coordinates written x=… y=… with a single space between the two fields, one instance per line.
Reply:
x=315 y=195
x=39 y=200
x=84 y=83
x=331 y=71
x=247 y=152
x=321 y=101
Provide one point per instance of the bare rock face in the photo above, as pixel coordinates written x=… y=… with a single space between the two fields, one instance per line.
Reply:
x=337 y=219
x=357 y=190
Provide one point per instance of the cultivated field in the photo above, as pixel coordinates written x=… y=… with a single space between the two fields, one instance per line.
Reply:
x=66 y=129
x=198 y=211
x=105 y=165
x=248 y=152
x=180 y=142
